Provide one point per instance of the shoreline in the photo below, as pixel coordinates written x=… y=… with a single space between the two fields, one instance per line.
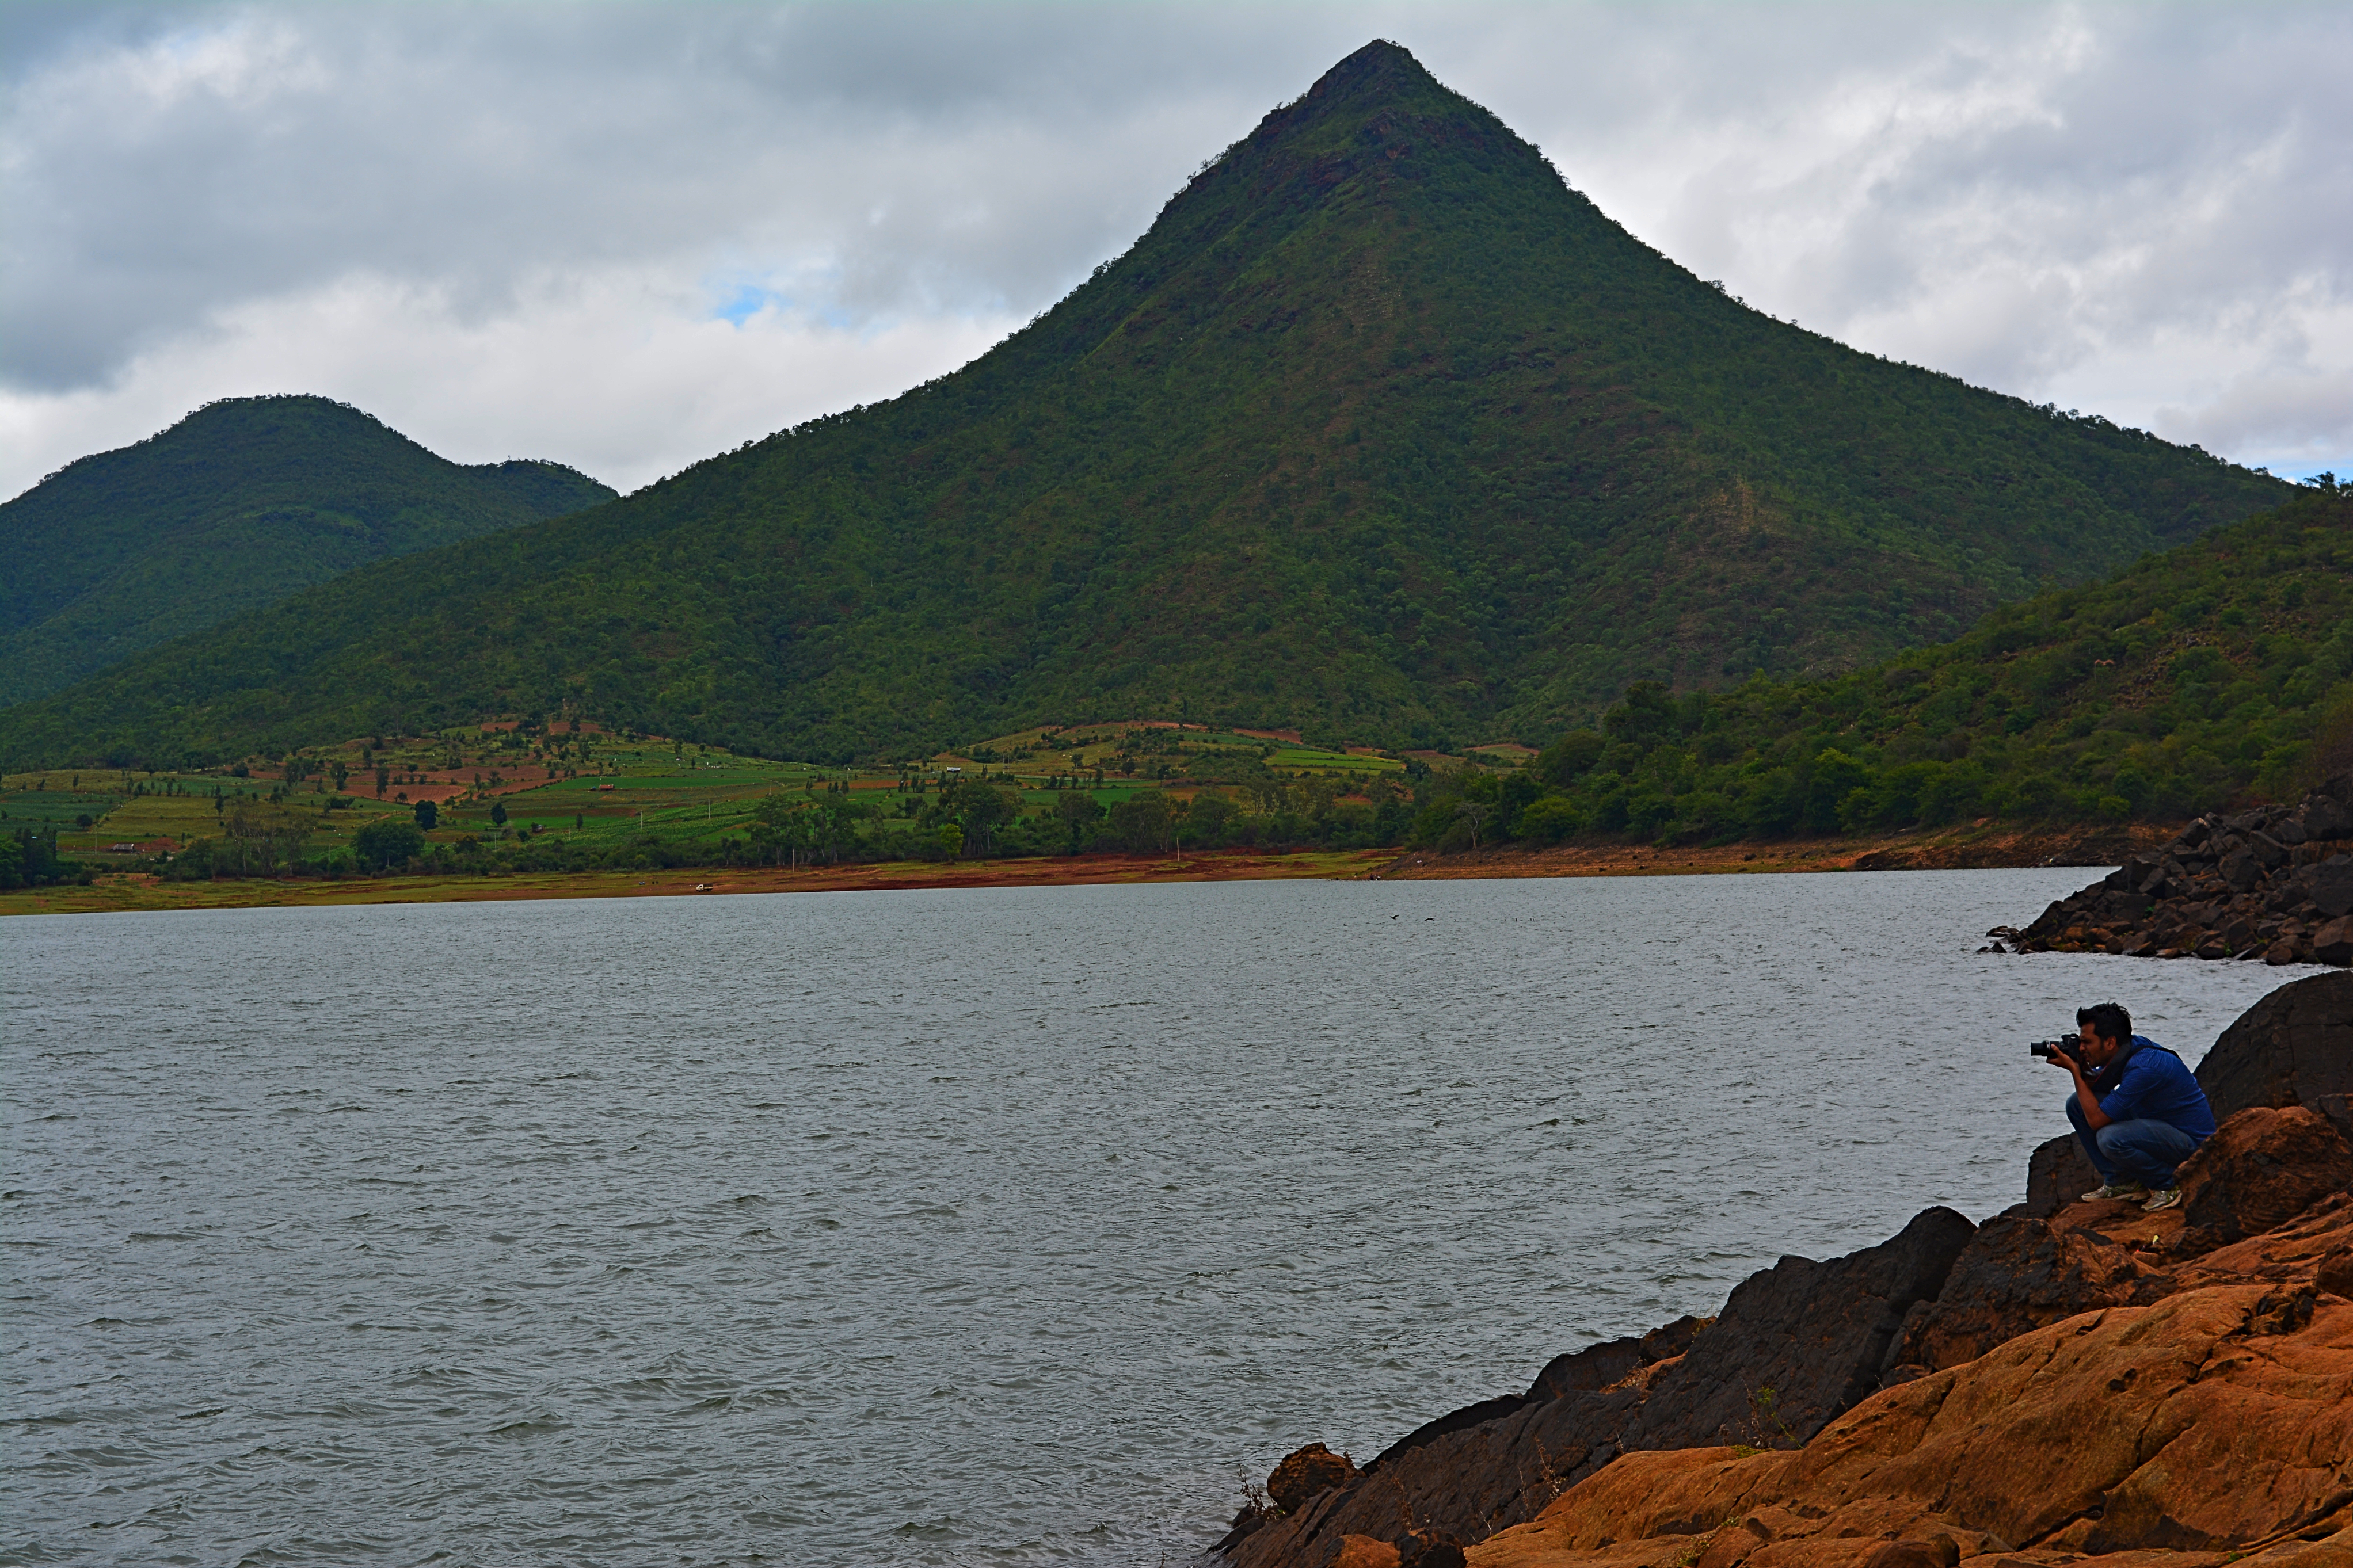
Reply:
x=1980 y=846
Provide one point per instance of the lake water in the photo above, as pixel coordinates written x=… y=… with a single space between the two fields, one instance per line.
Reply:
x=937 y=1227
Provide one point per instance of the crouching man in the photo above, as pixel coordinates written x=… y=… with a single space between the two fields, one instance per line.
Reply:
x=2137 y=1110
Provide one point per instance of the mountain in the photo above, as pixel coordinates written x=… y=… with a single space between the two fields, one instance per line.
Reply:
x=2219 y=671
x=1381 y=430
x=238 y=505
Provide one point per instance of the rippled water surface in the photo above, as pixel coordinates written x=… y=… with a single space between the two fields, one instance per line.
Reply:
x=922 y=1228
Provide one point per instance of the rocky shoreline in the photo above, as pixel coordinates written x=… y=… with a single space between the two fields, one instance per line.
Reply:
x=2274 y=883
x=2069 y=1382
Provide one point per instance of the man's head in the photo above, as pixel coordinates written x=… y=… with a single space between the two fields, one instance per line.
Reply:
x=2103 y=1027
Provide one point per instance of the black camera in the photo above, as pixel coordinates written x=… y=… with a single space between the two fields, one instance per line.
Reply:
x=2046 y=1049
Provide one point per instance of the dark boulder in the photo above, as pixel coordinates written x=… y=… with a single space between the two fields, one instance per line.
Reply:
x=1798 y=1344
x=2016 y=1275
x=2328 y=888
x=2057 y=1174
x=2293 y=1047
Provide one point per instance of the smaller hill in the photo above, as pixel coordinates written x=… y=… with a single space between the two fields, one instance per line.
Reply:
x=240 y=504
x=2221 y=670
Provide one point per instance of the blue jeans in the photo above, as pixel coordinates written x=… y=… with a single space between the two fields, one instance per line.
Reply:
x=2143 y=1152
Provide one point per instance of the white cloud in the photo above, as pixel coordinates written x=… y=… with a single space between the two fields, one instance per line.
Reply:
x=620 y=373
x=520 y=229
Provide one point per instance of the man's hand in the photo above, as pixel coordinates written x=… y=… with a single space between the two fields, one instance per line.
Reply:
x=2059 y=1058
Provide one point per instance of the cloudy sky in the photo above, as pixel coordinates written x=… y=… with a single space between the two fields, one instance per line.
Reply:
x=625 y=237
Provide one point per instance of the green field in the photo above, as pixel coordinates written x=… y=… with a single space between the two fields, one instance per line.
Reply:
x=508 y=796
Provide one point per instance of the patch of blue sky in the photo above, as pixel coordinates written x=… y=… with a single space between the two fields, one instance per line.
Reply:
x=746 y=300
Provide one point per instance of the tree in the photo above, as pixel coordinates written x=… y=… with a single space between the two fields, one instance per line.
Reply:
x=1208 y=818
x=1078 y=813
x=1140 y=824
x=498 y=814
x=429 y=816
x=387 y=842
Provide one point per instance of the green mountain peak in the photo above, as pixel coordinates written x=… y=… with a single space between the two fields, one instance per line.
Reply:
x=240 y=503
x=1381 y=430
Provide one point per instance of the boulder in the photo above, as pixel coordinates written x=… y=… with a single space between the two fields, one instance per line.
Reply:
x=2293 y=1047
x=2057 y=1174
x=2016 y=1275
x=1305 y=1475
x=1798 y=1343
x=2262 y=1168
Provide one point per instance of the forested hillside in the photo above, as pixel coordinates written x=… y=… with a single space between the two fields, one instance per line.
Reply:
x=237 y=506
x=1382 y=430
x=2215 y=672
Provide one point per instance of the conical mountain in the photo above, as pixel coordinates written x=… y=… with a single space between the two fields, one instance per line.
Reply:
x=240 y=504
x=1381 y=430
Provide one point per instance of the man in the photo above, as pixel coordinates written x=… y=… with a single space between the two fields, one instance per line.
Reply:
x=2138 y=1109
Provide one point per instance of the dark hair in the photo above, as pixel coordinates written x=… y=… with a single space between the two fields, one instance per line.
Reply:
x=2108 y=1021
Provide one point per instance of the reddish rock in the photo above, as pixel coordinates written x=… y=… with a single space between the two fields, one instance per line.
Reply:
x=1307 y=1473
x=2262 y=1168
x=2195 y=1424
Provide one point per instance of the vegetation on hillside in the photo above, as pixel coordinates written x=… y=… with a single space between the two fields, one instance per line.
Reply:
x=2219 y=671
x=238 y=505
x=1382 y=431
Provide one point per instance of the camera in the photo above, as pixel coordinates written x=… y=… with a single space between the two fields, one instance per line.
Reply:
x=2046 y=1049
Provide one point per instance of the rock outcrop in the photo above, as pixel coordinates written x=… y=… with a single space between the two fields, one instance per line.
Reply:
x=1798 y=1343
x=2273 y=883
x=2206 y=1422
x=2092 y=1383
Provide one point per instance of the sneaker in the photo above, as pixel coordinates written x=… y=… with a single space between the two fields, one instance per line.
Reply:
x=2162 y=1200
x=2113 y=1191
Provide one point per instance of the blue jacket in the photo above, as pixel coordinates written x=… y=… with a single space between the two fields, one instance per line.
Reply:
x=2148 y=1083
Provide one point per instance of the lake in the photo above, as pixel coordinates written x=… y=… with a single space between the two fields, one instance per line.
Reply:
x=1015 y=1226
